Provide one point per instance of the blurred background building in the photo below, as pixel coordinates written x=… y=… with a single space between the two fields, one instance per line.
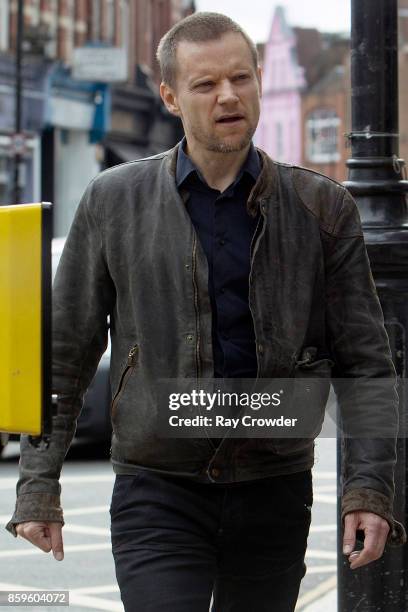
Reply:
x=306 y=100
x=90 y=94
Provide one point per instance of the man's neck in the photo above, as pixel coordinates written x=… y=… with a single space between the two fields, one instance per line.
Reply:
x=218 y=169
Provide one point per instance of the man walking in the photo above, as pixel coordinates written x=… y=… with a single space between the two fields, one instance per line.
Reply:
x=213 y=261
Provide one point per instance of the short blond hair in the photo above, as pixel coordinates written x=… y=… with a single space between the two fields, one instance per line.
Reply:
x=199 y=27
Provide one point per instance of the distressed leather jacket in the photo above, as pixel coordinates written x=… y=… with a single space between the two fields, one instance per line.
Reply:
x=132 y=254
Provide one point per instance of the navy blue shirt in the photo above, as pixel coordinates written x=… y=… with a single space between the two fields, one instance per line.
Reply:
x=225 y=231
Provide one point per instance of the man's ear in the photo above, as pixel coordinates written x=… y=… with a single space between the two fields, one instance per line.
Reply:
x=259 y=75
x=169 y=98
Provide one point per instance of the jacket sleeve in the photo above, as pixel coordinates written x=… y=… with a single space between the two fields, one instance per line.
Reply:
x=364 y=377
x=82 y=298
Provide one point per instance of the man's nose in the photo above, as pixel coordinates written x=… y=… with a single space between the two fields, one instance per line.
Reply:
x=227 y=93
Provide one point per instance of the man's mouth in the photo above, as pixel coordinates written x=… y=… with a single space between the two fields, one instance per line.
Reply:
x=230 y=119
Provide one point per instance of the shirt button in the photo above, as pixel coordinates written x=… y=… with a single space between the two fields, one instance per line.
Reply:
x=222 y=290
x=221 y=242
x=215 y=472
x=189 y=338
x=260 y=349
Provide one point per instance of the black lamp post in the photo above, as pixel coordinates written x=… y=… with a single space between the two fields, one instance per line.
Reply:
x=376 y=181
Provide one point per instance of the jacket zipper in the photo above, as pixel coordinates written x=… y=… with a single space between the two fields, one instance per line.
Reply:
x=254 y=237
x=197 y=311
x=253 y=248
x=131 y=362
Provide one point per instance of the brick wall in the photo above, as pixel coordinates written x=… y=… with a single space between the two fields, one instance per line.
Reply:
x=333 y=100
x=80 y=22
x=73 y=22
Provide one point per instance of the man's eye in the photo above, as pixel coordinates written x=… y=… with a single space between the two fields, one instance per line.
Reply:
x=241 y=77
x=203 y=85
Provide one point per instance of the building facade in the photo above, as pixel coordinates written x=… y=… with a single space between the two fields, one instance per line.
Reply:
x=325 y=121
x=279 y=130
x=90 y=93
x=319 y=108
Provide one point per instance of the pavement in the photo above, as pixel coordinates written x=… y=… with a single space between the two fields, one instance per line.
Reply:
x=327 y=603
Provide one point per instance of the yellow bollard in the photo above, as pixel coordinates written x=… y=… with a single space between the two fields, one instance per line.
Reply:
x=25 y=305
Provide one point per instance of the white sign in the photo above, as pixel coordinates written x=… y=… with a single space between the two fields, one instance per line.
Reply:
x=102 y=64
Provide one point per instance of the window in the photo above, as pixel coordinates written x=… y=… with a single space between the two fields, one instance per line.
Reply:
x=50 y=18
x=4 y=25
x=124 y=8
x=35 y=12
x=110 y=21
x=322 y=137
x=96 y=20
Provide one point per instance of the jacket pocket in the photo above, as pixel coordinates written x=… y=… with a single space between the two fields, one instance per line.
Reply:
x=126 y=374
x=310 y=392
x=308 y=365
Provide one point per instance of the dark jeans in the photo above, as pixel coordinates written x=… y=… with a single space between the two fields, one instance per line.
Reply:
x=176 y=542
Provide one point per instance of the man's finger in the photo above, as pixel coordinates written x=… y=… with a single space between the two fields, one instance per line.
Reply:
x=349 y=538
x=36 y=533
x=374 y=544
x=55 y=530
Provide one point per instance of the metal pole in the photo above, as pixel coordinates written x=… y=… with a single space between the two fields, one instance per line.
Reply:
x=375 y=180
x=18 y=101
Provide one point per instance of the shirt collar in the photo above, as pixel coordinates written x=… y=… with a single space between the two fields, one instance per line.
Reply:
x=185 y=165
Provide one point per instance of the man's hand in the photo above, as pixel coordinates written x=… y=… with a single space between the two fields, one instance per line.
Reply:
x=375 y=531
x=45 y=535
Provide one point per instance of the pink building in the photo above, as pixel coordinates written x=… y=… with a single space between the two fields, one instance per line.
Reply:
x=280 y=131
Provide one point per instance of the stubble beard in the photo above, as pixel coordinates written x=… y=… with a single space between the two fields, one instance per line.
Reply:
x=216 y=145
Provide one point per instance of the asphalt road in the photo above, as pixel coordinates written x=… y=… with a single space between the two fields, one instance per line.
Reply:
x=87 y=570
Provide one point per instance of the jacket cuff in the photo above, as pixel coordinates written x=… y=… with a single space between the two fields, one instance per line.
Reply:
x=369 y=500
x=35 y=507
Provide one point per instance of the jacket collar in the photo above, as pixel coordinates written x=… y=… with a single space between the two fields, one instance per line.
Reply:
x=264 y=187
x=185 y=166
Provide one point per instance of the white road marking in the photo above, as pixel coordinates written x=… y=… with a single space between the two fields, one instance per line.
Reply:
x=108 y=588
x=4 y=518
x=86 y=510
x=323 y=474
x=70 y=512
x=74 y=548
x=321 y=589
x=325 y=488
x=312 y=553
x=322 y=528
x=96 y=603
x=10 y=482
x=322 y=569
x=325 y=499
x=88 y=478
x=87 y=530
x=7 y=586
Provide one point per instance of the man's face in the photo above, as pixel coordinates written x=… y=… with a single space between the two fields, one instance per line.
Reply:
x=217 y=93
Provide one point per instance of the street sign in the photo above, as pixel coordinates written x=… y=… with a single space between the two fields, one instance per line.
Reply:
x=18 y=144
x=101 y=64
